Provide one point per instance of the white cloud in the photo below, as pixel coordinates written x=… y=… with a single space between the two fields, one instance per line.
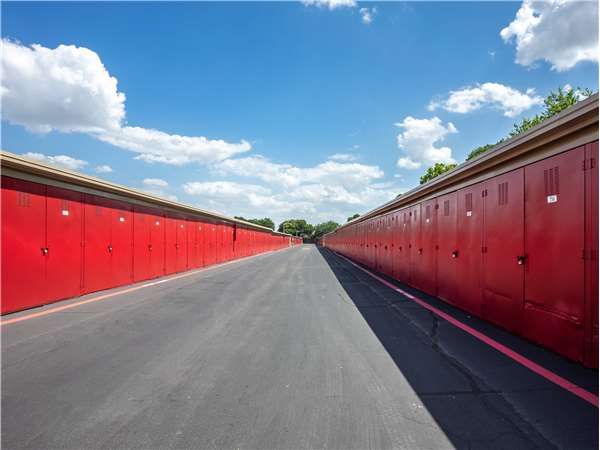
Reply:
x=367 y=15
x=157 y=146
x=331 y=189
x=330 y=172
x=155 y=182
x=509 y=100
x=68 y=89
x=561 y=32
x=331 y=4
x=343 y=157
x=62 y=161
x=103 y=169
x=418 y=142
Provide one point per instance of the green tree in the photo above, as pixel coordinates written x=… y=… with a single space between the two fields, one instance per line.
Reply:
x=265 y=222
x=554 y=103
x=479 y=150
x=436 y=170
x=354 y=216
x=297 y=227
x=324 y=228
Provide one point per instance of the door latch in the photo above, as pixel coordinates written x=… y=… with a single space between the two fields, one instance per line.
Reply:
x=109 y=248
x=149 y=247
x=420 y=251
x=521 y=260
x=455 y=254
x=44 y=251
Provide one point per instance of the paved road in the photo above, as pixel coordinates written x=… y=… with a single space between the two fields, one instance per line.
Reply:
x=294 y=349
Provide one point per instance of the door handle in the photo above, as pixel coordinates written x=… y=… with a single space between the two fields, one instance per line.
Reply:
x=109 y=248
x=44 y=251
x=521 y=260
x=420 y=251
x=149 y=247
x=455 y=254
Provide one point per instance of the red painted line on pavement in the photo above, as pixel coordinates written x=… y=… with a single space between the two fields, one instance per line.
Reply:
x=131 y=289
x=524 y=361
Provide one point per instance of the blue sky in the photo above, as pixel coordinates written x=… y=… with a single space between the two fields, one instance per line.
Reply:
x=300 y=106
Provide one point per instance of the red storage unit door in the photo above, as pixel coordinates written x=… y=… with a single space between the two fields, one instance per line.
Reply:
x=64 y=239
x=194 y=244
x=157 y=245
x=181 y=246
x=396 y=244
x=414 y=244
x=142 y=226
x=387 y=266
x=447 y=248
x=590 y=357
x=121 y=244
x=469 y=229
x=554 y=242
x=97 y=241
x=170 y=245
x=425 y=255
x=503 y=248
x=219 y=243
x=403 y=252
x=23 y=238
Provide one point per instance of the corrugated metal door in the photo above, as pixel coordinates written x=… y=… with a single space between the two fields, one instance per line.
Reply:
x=591 y=260
x=181 y=246
x=157 y=245
x=23 y=244
x=554 y=243
x=469 y=243
x=503 y=250
x=64 y=221
x=447 y=248
x=142 y=226
x=427 y=253
x=97 y=259
x=403 y=258
x=414 y=245
x=121 y=244
x=170 y=245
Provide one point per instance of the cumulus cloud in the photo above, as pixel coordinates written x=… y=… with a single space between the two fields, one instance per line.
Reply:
x=155 y=182
x=343 y=157
x=287 y=175
x=418 y=142
x=330 y=4
x=367 y=15
x=561 y=32
x=103 y=169
x=331 y=189
x=156 y=146
x=68 y=89
x=61 y=161
x=509 y=100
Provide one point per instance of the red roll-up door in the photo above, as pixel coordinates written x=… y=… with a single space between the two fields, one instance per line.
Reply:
x=121 y=243
x=142 y=229
x=170 y=245
x=97 y=242
x=414 y=246
x=591 y=261
x=554 y=245
x=23 y=244
x=157 y=245
x=403 y=247
x=469 y=243
x=447 y=248
x=503 y=249
x=181 y=246
x=425 y=256
x=64 y=222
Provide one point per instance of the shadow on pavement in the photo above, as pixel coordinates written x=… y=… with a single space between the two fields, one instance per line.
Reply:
x=480 y=398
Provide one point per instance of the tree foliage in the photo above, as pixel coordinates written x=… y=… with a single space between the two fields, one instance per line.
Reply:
x=436 y=170
x=297 y=227
x=555 y=102
x=265 y=222
x=352 y=217
x=324 y=228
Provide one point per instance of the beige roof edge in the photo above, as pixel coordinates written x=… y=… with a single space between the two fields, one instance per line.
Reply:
x=20 y=164
x=569 y=121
